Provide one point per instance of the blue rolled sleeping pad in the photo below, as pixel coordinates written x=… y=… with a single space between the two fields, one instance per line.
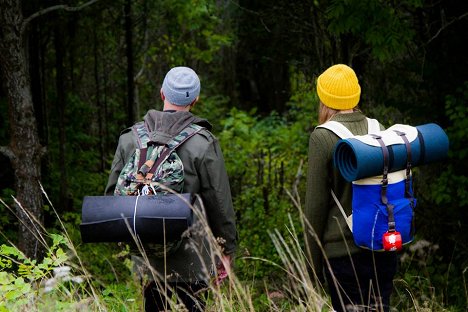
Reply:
x=155 y=219
x=356 y=160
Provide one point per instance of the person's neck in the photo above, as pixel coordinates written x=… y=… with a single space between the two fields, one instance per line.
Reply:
x=171 y=107
x=346 y=111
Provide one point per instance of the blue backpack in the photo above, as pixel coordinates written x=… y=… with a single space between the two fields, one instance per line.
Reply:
x=382 y=206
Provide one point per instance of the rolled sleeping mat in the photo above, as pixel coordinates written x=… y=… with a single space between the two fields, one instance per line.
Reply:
x=155 y=218
x=361 y=156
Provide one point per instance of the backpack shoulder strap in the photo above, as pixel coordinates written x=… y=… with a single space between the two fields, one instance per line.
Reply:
x=340 y=130
x=184 y=135
x=349 y=220
x=337 y=128
x=373 y=125
x=141 y=134
x=175 y=142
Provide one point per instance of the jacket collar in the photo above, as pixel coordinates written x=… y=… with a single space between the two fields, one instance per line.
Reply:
x=163 y=126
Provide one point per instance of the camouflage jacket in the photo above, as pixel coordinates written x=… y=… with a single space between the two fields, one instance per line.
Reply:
x=205 y=174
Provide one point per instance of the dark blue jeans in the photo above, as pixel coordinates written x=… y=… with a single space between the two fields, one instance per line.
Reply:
x=368 y=286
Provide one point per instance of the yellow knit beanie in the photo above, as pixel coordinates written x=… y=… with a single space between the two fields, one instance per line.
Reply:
x=338 y=87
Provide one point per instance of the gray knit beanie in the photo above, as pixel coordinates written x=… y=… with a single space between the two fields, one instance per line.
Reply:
x=181 y=86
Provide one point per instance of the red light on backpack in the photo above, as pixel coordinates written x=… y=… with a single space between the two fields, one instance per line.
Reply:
x=392 y=241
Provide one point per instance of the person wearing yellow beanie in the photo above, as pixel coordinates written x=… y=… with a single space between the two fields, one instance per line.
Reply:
x=338 y=87
x=358 y=278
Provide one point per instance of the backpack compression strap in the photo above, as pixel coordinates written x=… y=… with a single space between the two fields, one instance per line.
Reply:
x=408 y=163
x=383 y=192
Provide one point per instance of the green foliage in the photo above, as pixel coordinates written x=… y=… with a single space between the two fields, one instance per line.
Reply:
x=382 y=26
x=20 y=276
x=265 y=156
x=59 y=283
x=13 y=290
x=447 y=202
x=422 y=280
x=386 y=115
x=107 y=263
x=303 y=103
x=82 y=160
x=6 y=216
x=450 y=188
x=252 y=163
x=213 y=108
x=264 y=159
x=191 y=31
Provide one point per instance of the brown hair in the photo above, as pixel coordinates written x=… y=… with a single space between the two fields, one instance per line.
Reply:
x=325 y=113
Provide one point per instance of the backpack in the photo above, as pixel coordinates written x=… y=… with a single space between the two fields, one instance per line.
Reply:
x=155 y=170
x=382 y=206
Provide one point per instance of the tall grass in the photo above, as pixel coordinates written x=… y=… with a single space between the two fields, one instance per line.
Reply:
x=62 y=281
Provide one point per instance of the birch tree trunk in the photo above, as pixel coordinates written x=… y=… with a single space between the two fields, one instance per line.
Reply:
x=25 y=151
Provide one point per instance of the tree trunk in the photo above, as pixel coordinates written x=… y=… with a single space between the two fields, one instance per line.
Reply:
x=130 y=64
x=24 y=150
x=35 y=56
x=61 y=105
x=98 y=102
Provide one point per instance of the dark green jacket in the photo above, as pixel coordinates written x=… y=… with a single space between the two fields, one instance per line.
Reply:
x=204 y=174
x=321 y=211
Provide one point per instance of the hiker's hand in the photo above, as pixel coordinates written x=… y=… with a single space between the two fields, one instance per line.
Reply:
x=223 y=268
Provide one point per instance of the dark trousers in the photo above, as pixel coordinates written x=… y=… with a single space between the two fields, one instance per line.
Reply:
x=368 y=286
x=191 y=295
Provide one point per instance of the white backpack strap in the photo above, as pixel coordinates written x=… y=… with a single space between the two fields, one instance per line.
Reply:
x=373 y=125
x=349 y=220
x=337 y=128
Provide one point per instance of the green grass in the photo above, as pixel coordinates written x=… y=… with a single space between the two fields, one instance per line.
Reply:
x=98 y=277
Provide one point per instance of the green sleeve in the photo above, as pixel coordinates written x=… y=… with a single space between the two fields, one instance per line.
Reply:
x=216 y=194
x=318 y=195
x=123 y=152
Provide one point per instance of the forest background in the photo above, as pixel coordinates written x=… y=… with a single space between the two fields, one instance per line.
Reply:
x=75 y=74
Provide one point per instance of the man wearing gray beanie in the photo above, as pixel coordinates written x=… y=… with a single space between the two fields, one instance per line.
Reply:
x=187 y=269
x=181 y=87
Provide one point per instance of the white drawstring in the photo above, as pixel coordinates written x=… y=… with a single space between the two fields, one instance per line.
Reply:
x=134 y=215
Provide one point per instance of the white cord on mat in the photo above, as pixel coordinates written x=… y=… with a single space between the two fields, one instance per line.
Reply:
x=134 y=215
